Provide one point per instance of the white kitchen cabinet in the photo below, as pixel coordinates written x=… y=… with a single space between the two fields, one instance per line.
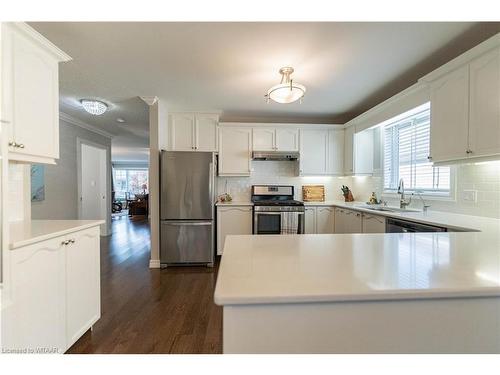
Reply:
x=349 y=150
x=235 y=151
x=232 y=220
x=36 y=316
x=206 y=128
x=192 y=132
x=275 y=139
x=83 y=290
x=287 y=139
x=30 y=93
x=324 y=220
x=335 y=162
x=373 y=223
x=465 y=106
x=264 y=139
x=54 y=292
x=450 y=116
x=310 y=220
x=347 y=221
x=484 y=115
x=363 y=152
x=313 y=152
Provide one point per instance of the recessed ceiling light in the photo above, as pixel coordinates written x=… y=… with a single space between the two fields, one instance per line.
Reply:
x=94 y=107
x=120 y=120
x=286 y=91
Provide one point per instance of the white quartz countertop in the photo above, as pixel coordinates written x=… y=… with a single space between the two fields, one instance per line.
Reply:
x=358 y=267
x=233 y=203
x=23 y=233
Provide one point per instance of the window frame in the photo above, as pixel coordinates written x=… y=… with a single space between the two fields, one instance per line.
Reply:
x=428 y=194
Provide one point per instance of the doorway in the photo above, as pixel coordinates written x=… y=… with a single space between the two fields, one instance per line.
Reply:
x=93 y=183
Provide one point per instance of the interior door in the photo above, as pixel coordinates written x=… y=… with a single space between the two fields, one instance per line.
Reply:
x=186 y=242
x=93 y=182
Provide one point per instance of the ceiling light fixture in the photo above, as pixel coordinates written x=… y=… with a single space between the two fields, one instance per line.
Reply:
x=94 y=107
x=286 y=91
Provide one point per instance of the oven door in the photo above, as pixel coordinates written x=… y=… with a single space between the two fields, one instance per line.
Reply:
x=265 y=222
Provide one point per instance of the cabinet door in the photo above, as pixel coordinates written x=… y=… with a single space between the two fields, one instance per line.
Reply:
x=232 y=220
x=339 y=221
x=450 y=116
x=264 y=139
x=310 y=220
x=349 y=150
x=336 y=151
x=35 y=95
x=83 y=306
x=206 y=132
x=373 y=223
x=235 y=151
x=36 y=317
x=313 y=152
x=182 y=132
x=325 y=220
x=363 y=152
x=353 y=222
x=484 y=123
x=287 y=139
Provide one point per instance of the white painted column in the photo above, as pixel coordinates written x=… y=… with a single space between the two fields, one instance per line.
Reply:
x=157 y=130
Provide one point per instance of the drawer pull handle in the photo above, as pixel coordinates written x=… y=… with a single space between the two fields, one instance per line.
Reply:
x=66 y=242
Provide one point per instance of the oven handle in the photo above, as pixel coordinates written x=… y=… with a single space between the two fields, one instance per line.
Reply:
x=274 y=213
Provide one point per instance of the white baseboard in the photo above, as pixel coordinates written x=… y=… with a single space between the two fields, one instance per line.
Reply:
x=154 y=263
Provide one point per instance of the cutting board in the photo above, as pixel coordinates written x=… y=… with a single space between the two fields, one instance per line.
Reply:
x=313 y=193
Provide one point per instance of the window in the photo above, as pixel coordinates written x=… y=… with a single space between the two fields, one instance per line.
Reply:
x=128 y=182
x=406 y=148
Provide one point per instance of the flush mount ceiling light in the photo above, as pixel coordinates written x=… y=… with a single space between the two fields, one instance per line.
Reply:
x=94 y=107
x=286 y=91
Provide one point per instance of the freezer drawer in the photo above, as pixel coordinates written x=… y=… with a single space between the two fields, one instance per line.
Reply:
x=186 y=242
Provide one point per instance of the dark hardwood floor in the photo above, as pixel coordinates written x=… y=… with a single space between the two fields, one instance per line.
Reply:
x=151 y=311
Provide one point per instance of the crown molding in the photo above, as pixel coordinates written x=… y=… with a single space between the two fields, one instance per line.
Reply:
x=150 y=100
x=34 y=35
x=74 y=121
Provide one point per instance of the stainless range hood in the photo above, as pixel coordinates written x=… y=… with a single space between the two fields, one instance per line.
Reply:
x=275 y=155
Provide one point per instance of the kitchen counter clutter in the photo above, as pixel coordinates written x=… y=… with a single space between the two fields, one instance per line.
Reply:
x=24 y=233
x=364 y=293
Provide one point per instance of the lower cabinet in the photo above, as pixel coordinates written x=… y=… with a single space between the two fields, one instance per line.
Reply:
x=373 y=223
x=55 y=292
x=232 y=220
x=319 y=220
x=347 y=221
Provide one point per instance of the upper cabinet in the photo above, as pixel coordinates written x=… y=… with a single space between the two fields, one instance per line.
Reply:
x=358 y=151
x=465 y=97
x=235 y=151
x=193 y=132
x=30 y=94
x=321 y=151
x=275 y=139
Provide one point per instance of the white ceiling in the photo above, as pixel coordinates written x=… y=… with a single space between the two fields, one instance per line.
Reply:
x=346 y=67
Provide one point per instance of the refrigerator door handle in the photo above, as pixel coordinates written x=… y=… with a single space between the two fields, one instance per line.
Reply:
x=210 y=184
x=186 y=223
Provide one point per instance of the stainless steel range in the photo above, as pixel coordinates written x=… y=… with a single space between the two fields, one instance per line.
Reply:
x=275 y=211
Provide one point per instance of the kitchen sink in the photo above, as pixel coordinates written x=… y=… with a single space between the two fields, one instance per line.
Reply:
x=387 y=209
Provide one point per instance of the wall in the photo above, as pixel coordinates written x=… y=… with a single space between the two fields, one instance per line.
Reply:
x=278 y=173
x=61 y=180
x=482 y=177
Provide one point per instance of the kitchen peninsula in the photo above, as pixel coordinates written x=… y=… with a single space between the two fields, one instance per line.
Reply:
x=364 y=293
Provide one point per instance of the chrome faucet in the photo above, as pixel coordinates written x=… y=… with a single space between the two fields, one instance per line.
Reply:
x=403 y=202
x=425 y=206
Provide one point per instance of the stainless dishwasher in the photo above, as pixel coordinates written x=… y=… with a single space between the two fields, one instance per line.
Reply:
x=403 y=226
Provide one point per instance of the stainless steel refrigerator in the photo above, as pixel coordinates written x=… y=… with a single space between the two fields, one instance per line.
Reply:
x=187 y=208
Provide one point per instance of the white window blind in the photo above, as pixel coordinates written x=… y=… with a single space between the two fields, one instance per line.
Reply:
x=406 y=148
